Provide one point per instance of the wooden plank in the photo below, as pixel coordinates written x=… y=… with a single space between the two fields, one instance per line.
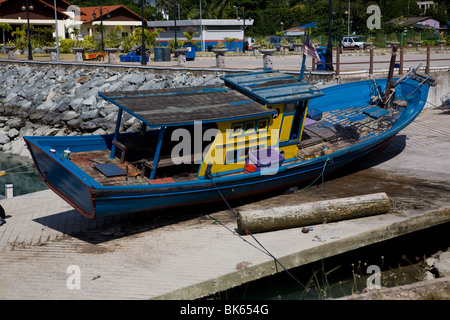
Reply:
x=312 y=213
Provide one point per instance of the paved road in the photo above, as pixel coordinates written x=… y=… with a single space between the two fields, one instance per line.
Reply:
x=292 y=61
x=359 y=62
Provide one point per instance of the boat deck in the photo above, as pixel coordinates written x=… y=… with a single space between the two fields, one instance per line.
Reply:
x=334 y=131
x=86 y=161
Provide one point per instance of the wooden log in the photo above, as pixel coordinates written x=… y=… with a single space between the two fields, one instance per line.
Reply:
x=312 y=213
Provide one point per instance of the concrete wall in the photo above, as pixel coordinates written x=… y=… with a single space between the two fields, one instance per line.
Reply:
x=441 y=89
x=210 y=31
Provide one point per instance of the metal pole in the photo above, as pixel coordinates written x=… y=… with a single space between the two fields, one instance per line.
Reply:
x=302 y=70
x=56 y=31
x=30 y=53
x=101 y=27
x=338 y=61
x=329 y=53
x=340 y=29
x=144 y=56
x=348 y=23
x=243 y=32
x=175 y=23
x=201 y=27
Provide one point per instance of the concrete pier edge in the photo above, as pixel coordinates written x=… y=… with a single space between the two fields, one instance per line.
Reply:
x=251 y=273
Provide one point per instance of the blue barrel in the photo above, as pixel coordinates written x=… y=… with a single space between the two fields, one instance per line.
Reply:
x=158 y=54
x=190 y=55
x=321 y=51
x=166 y=54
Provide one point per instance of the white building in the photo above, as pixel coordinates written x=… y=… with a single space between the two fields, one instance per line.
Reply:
x=209 y=31
x=426 y=5
x=68 y=17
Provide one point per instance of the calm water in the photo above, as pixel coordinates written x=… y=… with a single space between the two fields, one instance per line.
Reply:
x=20 y=171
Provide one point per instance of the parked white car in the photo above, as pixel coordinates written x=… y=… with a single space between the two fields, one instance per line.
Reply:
x=352 y=42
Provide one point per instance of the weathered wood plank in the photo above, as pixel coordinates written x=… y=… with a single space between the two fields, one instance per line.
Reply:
x=312 y=213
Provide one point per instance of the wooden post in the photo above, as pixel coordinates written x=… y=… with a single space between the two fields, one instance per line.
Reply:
x=338 y=60
x=313 y=68
x=387 y=92
x=400 y=70
x=371 y=61
x=427 y=68
x=312 y=213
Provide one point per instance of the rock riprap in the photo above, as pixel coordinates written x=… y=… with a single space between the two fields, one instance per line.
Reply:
x=64 y=101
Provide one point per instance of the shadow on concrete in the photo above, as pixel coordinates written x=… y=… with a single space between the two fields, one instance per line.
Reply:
x=104 y=229
x=377 y=157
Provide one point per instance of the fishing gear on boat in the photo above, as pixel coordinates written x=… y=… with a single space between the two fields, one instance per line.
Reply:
x=413 y=74
x=348 y=133
x=375 y=93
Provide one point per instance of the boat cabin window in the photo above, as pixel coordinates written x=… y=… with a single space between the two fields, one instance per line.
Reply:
x=262 y=125
x=237 y=129
x=249 y=127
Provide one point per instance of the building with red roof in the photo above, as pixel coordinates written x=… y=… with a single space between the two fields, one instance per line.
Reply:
x=68 y=17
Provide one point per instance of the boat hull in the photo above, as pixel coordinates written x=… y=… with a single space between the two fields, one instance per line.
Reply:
x=92 y=199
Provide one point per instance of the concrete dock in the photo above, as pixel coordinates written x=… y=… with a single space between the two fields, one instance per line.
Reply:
x=49 y=251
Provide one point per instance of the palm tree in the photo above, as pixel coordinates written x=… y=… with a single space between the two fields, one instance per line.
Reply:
x=5 y=27
x=163 y=5
x=221 y=8
x=207 y=11
x=19 y=33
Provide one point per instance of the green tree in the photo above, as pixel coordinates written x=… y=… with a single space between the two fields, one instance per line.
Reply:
x=5 y=27
x=113 y=40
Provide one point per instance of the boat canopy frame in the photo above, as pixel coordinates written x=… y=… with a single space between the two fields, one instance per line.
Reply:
x=244 y=95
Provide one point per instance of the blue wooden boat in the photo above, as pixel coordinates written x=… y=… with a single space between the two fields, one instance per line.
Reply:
x=257 y=133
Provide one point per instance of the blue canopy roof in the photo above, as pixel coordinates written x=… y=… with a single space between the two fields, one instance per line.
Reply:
x=185 y=106
x=272 y=87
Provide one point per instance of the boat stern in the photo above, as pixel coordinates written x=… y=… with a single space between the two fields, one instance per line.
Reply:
x=62 y=176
